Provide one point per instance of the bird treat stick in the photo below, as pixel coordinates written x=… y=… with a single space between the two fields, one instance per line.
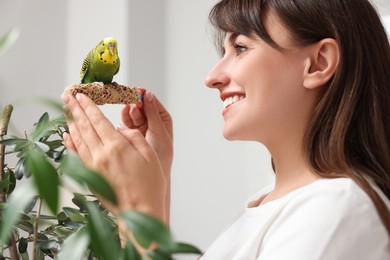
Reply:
x=107 y=93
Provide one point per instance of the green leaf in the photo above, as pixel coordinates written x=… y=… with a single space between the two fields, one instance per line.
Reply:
x=11 y=179
x=63 y=232
x=39 y=253
x=12 y=213
x=41 y=147
x=21 y=170
x=18 y=145
x=75 y=246
x=45 y=178
x=25 y=256
x=103 y=242
x=49 y=246
x=147 y=229
x=74 y=168
x=47 y=217
x=156 y=255
x=177 y=248
x=4 y=184
x=22 y=246
x=7 y=40
x=80 y=201
x=12 y=140
x=184 y=248
x=31 y=205
x=56 y=155
x=26 y=226
x=129 y=252
x=46 y=128
x=40 y=127
x=74 y=215
x=62 y=218
x=8 y=184
x=54 y=144
x=72 y=226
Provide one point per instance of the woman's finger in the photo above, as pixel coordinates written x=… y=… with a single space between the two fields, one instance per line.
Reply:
x=81 y=129
x=125 y=114
x=68 y=143
x=137 y=140
x=94 y=123
x=137 y=116
x=158 y=117
x=132 y=116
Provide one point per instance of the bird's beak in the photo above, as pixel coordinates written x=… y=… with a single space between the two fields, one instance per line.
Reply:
x=111 y=48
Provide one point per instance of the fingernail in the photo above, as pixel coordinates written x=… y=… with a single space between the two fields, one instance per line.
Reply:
x=65 y=98
x=65 y=136
x=149 y=96
x=79 y=97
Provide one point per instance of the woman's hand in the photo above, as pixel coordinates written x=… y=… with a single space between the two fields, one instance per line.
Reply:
x=123 y=157
x=152 y=120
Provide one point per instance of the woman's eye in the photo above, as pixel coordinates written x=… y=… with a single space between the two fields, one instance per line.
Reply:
x=239 y=48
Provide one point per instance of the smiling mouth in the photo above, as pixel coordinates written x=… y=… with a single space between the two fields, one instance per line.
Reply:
x=231 y=100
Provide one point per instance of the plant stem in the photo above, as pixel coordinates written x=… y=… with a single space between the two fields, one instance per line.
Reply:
x=3 y=131
x=36 y=224
x=13 y=250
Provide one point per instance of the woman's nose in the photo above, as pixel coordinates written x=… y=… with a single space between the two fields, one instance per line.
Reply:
x=217 y=77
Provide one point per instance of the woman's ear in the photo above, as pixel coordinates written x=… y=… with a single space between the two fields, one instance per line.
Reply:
x=322 y=63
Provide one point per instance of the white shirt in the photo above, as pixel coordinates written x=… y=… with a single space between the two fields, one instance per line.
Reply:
x=327 y=219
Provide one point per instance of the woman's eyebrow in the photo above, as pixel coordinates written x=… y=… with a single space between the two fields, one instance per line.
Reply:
x=233 y=37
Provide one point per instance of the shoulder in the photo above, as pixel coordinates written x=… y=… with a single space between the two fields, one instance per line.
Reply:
x=323 y=216
x=342 y=195
x=334 y=203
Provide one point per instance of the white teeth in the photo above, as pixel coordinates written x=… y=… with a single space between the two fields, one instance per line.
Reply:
x=230 y=100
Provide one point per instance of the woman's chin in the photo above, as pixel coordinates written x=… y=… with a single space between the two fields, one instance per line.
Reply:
x=240 y=134
x=231 y=134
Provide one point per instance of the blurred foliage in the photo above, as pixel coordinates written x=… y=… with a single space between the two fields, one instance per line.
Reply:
x=84 y=231
x=8 y=39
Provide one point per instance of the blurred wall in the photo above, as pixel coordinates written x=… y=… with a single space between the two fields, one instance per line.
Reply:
x=34 y=66
x=164 y=46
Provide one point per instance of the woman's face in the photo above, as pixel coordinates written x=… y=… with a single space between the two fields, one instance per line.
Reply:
x=261 y=87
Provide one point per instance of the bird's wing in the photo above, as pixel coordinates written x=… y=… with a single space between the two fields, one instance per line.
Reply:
x=85 y=66
x=119 y=65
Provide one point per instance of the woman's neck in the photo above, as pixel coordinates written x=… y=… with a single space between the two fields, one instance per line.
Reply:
x=291 y=171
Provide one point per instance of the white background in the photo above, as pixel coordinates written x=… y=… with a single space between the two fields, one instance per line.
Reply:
x=165 y=46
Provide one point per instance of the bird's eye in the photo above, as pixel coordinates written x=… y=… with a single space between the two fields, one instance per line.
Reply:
x=103 y=44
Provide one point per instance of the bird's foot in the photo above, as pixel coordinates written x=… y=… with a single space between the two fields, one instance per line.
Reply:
x=115 y=83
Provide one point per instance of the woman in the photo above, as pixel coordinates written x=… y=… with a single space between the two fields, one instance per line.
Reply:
x=308 y=80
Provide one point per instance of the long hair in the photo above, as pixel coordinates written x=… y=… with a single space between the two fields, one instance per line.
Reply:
x=349 y=132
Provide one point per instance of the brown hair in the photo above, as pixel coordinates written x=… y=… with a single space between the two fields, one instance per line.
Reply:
x=349 y=133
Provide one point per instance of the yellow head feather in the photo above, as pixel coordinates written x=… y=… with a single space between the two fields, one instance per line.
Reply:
x=107 y=51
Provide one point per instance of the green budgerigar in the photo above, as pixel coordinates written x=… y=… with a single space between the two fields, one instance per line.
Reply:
x=101 y=63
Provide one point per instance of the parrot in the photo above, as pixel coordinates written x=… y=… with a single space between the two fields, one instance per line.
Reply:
x=101 y=63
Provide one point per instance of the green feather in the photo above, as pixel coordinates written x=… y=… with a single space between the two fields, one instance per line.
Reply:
x=101 y=64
